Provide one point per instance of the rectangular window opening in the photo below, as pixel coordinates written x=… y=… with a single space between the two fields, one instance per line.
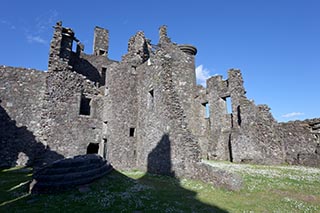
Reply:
x=103 y=76
x=85 y=106
x=74 y=46
x=228 y=105
x=207 y=109
x=132 y=132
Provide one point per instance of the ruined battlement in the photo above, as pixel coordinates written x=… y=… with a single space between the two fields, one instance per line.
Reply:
x=144 y=112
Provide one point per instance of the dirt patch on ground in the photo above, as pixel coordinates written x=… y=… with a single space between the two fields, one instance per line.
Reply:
x=298 y=196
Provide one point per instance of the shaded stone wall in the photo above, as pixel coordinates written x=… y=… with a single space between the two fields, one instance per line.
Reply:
x=50 y=104
x=121 y=123
x=71 y=84
x=122 y=101
x=21 y=94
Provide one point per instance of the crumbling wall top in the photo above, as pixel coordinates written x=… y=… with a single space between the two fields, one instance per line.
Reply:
x=139 y=49
x=163 y=36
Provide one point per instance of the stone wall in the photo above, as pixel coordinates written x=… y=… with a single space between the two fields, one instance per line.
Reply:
x=249 y=133
x=302 y=141
x=165 y=132
x=73 y=103
x=21 y=94
x=257 y=140
x=151 y=93
x=101 y=42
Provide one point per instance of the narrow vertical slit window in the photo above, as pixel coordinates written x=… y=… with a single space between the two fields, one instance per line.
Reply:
x=105 y=148
x=132 y=132
x=239 y=115
x=151 y=99
x=230 y=148
x=103 y=76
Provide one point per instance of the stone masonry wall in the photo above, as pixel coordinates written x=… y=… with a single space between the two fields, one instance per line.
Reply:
x=257 y=140
x=121 y=123
x=246 y=134
x=302 y=141
x=250 y=133
x=72 y=82
x=101 y=42
x=165 y=143
x=21 y=94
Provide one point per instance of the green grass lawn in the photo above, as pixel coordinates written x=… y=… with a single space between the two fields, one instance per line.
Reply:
x=266 y=189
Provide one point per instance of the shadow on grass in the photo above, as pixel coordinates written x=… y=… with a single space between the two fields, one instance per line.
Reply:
x=116 y=192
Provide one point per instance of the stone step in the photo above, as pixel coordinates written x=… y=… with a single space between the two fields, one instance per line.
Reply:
x=62 y=170
x=71 y=175
x=66 y=184
x=68 y=173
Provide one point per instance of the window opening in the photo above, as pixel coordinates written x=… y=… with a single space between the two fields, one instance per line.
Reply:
x=85 y=106
x=207 y=109
x=230 y=149
x=151 y=93
x=105 y=148
x=151 y=99
x=239 y=115
x=74 y=46
x=132 y=132
x=228 y=105
x=103 y=76
x=102 y=52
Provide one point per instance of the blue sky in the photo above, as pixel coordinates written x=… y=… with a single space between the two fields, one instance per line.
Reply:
x=275 y=43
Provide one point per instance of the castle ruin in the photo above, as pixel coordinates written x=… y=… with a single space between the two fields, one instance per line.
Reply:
x=141 y=111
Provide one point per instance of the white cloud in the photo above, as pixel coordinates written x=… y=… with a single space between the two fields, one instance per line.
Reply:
x=40 y=29
x=45 y=21
x=292 y=114
x=36 y=39
x=8 y=24
x=202 y=75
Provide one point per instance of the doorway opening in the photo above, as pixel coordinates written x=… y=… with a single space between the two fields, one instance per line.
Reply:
x=93 y=148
